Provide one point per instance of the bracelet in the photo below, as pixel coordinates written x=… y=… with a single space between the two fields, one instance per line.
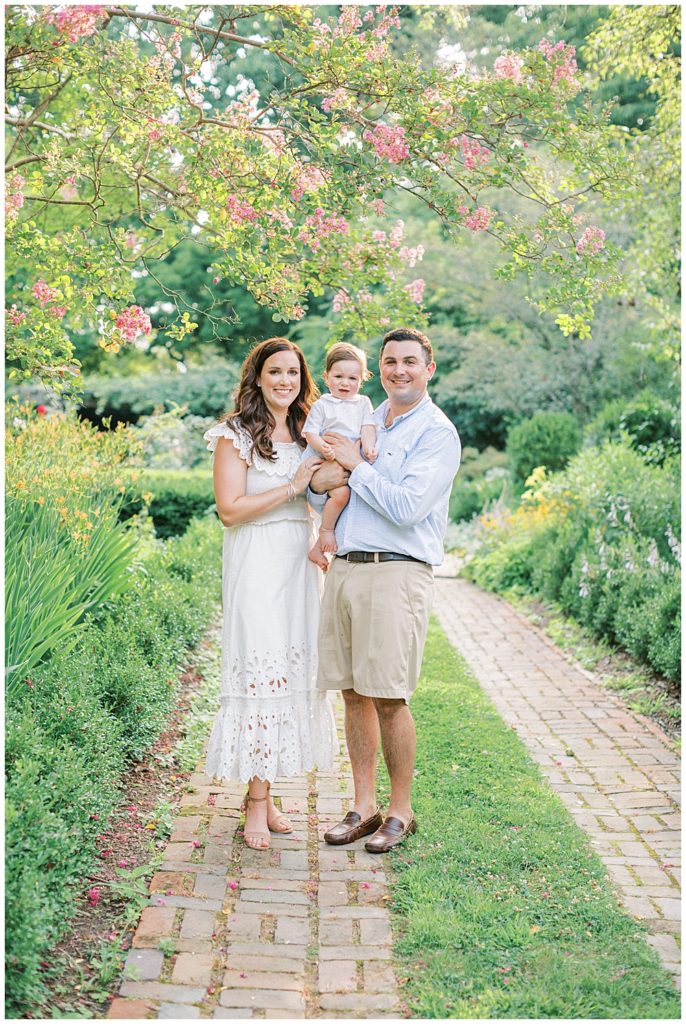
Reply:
x=290 y=491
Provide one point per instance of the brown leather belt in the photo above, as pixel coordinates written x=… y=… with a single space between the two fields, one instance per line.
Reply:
x=378 y=556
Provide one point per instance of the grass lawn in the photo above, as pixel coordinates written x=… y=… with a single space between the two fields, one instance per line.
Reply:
x=501 y=909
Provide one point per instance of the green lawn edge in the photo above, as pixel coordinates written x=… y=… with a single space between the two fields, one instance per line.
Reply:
x=500 y=907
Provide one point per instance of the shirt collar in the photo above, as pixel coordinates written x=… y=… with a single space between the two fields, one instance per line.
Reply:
x=383 y=409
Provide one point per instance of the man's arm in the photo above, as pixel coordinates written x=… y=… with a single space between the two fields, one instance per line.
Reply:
x=427 y=473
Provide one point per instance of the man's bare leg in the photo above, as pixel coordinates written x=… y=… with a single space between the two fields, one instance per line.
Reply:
x=362 y=737
x=398 y=742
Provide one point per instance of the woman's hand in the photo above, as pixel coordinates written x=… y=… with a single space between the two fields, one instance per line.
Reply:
x=304 y=473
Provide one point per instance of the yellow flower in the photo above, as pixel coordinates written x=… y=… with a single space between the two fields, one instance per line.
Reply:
x=41 y=500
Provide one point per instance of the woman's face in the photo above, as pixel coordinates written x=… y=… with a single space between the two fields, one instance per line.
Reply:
x=280 y=381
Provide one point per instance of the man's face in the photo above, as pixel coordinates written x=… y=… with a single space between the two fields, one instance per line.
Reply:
x=405 y=372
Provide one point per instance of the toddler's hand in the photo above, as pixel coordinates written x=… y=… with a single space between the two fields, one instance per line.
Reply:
x=327 y=451
x=370 y=454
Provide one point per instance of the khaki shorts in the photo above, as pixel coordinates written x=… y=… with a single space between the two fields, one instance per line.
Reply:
x=373 y=627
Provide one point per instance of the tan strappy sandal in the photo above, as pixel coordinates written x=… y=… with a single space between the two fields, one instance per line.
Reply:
x=255 y=840
x=278 y=822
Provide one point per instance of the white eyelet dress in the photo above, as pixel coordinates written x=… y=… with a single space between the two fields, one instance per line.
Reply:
x=272 y=720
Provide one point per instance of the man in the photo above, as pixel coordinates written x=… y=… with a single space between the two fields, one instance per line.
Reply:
x=378 y=589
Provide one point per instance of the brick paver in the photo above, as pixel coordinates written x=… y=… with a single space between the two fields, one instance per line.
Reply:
x=230 y=933
x=616 y=771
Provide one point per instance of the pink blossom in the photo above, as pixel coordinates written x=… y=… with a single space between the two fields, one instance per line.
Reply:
x=154 y=130
x=131 y=240
x=378 y=207
x=388 y=21
x=43 y=292
x=378 y=237
x=340 y=300
x=215 y=280
x=388 y=141
x=472 y=151
x=197 y=844
x=562 y=57
x=308 y=179
x=94 y=897
x=509 y=66
x=348 y=21
x=415 y=289
x=591 y=242
x=240 y=210
x=281 y=218
x=319 y=226
x=233 y=886
x=411 y=256
x=479 y=219
x=76 y=21
x=58 y=311
x=14 y=198
x=377 y=51
x=122 y=864
x=14 y=315
x=133 y=321
x=463 y=210
x=297 y=313
x=396 y=234
x=339 y=99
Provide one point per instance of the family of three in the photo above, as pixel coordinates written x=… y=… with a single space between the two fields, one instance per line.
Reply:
x=382 y=482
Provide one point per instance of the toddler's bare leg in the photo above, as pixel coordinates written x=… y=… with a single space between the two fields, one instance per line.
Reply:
x=338 y=499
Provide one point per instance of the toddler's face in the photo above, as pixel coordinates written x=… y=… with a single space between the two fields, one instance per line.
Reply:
x=344 y=379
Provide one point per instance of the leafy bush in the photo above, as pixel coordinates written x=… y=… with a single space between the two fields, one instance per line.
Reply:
x=205 y=392
x=482 y=478
x=548 y=439
x=172 y=440
x=652 y=425
x=599 y=538
x=173 y=498
x=66 y=552
x=70 y=730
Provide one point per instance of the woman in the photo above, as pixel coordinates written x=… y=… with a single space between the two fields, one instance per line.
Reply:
x=272 y=720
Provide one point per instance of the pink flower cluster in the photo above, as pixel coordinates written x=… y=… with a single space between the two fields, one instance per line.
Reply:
x=338 y=100
x=14 y=315
x=388 y=21
x=378 y=207
x=240 y=210
x=308 y=179
x=415 y=289
x=509 y=66
x=411 y=256
x=478 y=220
x=75 y=21
x=388 y=141
x=340 y=300
x=319 y=226
x=348 y=22
x=591 y=242
x=14 y=198
x=396 y=234
x=133 y=321
x=472 y=151
x=563 y=57
x=43 y=292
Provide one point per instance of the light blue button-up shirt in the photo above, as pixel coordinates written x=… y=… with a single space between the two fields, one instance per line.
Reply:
x=400 y=502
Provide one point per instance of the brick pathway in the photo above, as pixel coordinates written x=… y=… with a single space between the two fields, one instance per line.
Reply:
x=616 y=771
x=301 y=931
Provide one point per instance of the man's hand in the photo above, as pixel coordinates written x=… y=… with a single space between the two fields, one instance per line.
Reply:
x=329 y=476
x=346 y=452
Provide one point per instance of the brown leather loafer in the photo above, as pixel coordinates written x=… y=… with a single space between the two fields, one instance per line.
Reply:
x=351 y=828
x=391 y=833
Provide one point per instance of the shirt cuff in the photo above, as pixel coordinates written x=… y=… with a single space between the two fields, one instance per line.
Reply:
x=361 y=474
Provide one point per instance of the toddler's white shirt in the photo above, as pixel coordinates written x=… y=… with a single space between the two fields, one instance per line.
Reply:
x=344 y=416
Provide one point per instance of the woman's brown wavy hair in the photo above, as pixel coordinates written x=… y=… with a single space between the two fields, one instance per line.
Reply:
x=250 y=407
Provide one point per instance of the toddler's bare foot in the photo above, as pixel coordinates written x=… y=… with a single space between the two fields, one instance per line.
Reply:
x=327 y=541
x=317 y=556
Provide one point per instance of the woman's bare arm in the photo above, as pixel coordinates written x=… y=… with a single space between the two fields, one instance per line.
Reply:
x=234 y=506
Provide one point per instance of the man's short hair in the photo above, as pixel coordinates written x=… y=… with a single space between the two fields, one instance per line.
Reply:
x=409 y=334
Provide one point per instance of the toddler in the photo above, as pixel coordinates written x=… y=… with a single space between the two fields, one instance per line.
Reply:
x=344 y=411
